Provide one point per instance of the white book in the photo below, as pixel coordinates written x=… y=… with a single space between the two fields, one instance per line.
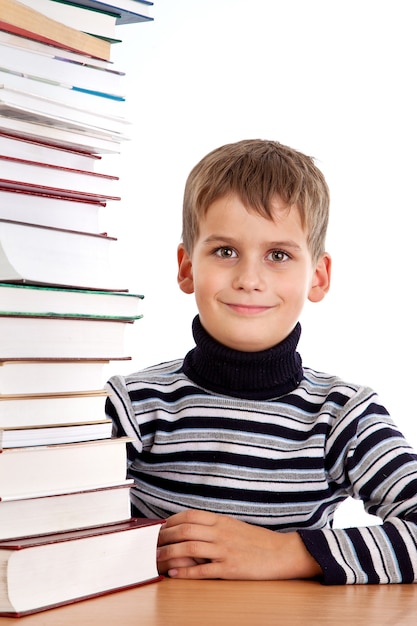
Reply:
x=49 y=67
x=51 y=256
x=59 y=409
x=65 y=467
x=60 y=511
x=52 y=434
x=57 y=301
x=55 y=377
x=56 y=569
x=22 y=123
x=61 y=111
x=44 y=209
x=20 y=148
x=25 y=113
x=24 y=337
x=88 y=99
x=56 y=180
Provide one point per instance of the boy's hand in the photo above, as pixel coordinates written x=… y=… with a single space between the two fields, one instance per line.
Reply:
x=198 y=544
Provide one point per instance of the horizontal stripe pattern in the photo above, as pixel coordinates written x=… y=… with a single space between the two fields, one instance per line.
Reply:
x=284 y=464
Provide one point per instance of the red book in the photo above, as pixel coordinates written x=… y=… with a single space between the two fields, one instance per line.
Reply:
x=39 y=573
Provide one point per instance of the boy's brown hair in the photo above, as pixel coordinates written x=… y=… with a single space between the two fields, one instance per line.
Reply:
x=257 y=170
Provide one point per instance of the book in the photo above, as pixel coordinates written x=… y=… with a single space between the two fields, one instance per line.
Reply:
x=94 y=22
x=51 y=409
x=17 y=112
x=60 y=336
x=19 y=437
x=30 y=253
x=43 y=209
x=26 y=124
x=56 y=180
x=60 y=511
x=38 y=46
x=126 y=11
x=62 y=112
x=70 y=95
x=65 y=467
x=26 y=22
x=54 y=376
x=38 y=573
x=79 y=302
x=30 y=150
x=47 y=66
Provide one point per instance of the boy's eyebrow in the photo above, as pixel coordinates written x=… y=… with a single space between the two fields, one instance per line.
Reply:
x=270 y=244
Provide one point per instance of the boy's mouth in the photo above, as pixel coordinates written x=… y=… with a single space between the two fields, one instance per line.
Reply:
x=248 y=309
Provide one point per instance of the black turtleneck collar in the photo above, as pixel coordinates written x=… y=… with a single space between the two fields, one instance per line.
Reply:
x=251 y=375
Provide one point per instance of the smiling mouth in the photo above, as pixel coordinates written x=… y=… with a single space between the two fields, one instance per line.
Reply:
x=248 y=309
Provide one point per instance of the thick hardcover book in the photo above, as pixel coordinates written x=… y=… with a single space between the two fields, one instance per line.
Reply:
x=43 y=209
x=52 y=434
x=61 y=511
x=38 y=573
x=56 y=181
x=52 y=376
x=61 y=336
x=35 y=254
x=65 y=467
x=54 y=300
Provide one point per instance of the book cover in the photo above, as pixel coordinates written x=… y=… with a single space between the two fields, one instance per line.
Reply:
x=97 y=561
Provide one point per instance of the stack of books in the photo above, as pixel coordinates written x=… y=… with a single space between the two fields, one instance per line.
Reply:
x=65 y=527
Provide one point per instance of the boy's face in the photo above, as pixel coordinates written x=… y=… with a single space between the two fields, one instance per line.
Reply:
x=251 y=275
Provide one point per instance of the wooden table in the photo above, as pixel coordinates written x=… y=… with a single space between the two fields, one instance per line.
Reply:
x=235 y=603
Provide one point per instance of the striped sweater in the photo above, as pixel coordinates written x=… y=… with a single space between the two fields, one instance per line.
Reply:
x=206 y=437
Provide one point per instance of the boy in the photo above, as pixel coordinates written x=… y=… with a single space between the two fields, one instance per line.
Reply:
x=245 y=451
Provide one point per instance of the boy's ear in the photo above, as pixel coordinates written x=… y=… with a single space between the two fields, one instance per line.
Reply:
x=185 y=270
x=320 y=284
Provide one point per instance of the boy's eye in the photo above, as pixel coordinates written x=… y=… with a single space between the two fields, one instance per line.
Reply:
x=225 y=253
x=278 y=256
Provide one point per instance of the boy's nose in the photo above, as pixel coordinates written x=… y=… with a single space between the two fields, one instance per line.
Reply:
x=248 y=277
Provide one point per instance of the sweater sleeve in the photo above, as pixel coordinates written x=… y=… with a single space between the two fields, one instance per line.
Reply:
x=370 y=459
x=120 y=410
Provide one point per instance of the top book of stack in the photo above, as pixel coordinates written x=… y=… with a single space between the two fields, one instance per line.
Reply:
x=42 y=21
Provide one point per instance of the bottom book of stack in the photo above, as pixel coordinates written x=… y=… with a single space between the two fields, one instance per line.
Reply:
x=41 y=572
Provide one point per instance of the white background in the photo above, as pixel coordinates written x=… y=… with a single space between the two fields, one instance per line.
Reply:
x=334 y=79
